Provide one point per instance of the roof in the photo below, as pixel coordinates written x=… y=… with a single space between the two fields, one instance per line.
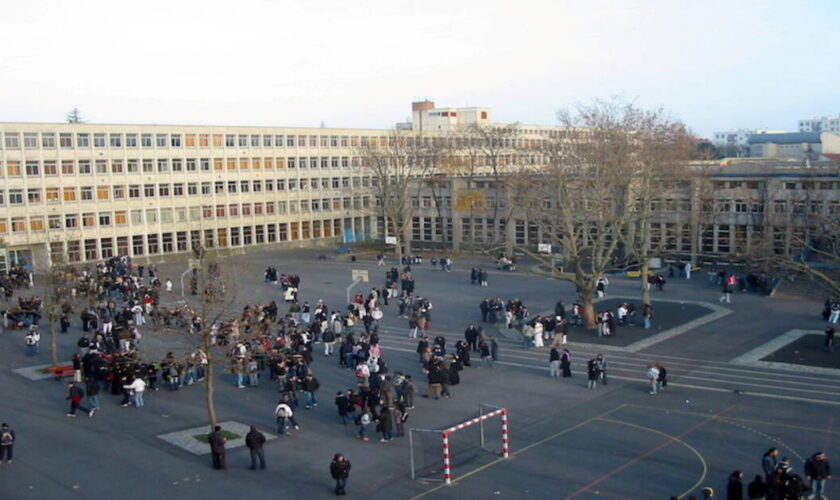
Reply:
x=785 y=138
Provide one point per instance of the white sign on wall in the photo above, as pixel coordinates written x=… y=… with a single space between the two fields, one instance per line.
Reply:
x=390 y=240
x=544 y=248
x=360 y=275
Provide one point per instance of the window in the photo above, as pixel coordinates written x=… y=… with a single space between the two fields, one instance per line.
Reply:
x=243 y=141
x=151 y=216
x=790 y=185
x=166 y=215
x=48 y=141
x=192 y=189
x=255 y=141
x=178 y=165
x=146 y=140
x=102 y=192
x=131 y=140
x=30 y=140
x=175 y=140
x=160 y=140
x=119 y=192
x=189 y=140
x=190 y=165
x=33 y=195
x=101 y=166
x=67 y=167
x=132 y=166
x=12 y=140
x=116 y=140
x=290 y=141
x=134 y=191
x=163 y=165
x=178 y=189
x=53 y=195
x=82 y=140
x=204 y=140
x=88 y=219
x=69 y=194
x=148 y=165
x=205 y=164
x=244 y=186
x=33 y=169
x=233 y=210
x=84 y=167
x=13 y=168
x=230 y=140
x=149 y=190
x=136 y=217
x=267 y=141
x=71 y=221
x=116 y=166
x=54 y=222
x=99 y=140
x=740 y=207
x=65 y=141
x=163 y=190
x=18 y=224
x=87 y=193
x=105 y=219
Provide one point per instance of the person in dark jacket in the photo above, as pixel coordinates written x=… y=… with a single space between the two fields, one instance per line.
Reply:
x=255 y=440
x=734 y=487
x=818 y=471
x=757 y=489
x=7 y=443
x=768 y=463
x=344 y=405
x=386 y=424
x=566 y=363
x=340 y=471
x=217 y=447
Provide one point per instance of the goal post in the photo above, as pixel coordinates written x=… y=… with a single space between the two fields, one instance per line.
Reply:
x=430 y=465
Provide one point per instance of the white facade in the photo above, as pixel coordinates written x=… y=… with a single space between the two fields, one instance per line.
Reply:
x=735 y=143
x=426 y=117
x=821 y=124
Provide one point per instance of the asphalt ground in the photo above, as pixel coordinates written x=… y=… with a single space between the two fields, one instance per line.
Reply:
x=616 y=441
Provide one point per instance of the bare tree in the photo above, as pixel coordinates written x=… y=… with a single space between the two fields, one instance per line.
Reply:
x=580 y=201
x=396 y=165
x=75 y=116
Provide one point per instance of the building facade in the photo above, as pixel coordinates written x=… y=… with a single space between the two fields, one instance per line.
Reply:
x=82 y=192
x=821 y=124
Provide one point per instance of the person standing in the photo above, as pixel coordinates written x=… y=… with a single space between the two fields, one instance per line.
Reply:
x=768 y=463
x=734 y=486
x=285 y=417
x=566 y=363
x=75 y=395
x=662 y=379
x=340 y=471
x=829 y=338
x=7 y=443
x=727 y=292
x=592 y=373
x=137 y=388
x=255 y=440
x=647 y=314
x=818 y=471
x=757 y=489
x=554 y=362
x=652 y=376
x=217 y=447
x=310 y=385
x=32 y=340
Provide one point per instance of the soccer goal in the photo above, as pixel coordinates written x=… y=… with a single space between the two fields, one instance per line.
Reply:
x=433 y=451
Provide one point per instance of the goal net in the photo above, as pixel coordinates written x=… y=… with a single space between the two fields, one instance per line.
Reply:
x=436 y=452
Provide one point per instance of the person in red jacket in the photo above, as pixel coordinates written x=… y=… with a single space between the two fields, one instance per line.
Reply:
x=75 y=395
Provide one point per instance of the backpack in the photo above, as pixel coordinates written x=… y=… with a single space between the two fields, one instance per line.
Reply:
x=360 y=373
x=6 y=438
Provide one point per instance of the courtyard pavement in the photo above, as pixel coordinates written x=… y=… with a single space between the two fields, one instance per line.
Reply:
x=616 y=441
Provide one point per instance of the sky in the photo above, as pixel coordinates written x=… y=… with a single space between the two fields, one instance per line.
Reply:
x=714 y=64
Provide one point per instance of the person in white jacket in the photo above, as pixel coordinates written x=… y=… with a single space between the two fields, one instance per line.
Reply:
x=137 y=387
x=652 y=376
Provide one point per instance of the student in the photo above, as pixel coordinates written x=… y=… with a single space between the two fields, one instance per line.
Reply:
x=340 y=471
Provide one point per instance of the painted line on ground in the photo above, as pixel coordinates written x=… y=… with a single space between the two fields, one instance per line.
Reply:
x=753 y=357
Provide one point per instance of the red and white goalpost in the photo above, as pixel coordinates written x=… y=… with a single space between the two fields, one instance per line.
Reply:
x=486 y=412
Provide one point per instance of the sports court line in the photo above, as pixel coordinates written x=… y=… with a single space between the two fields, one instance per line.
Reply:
x=737 y=419
x=633 y=461
x=678 y=440
x=521 y=450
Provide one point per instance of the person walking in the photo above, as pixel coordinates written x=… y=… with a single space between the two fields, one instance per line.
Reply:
x=32 y=340
x=647 y=314
x=340 y=471
x=75 y=395
x=217 y=447
x=727 y=293
x=818 y=471
x=734 y=486
x=310 y=385
x=92 y=390
x=285 y=418
x=363 y=421
x=829 y=338
x=255 y=440
x=592 y=373
x=662 y=379
x=554 y=362
x=7 y=443
x=652 y=376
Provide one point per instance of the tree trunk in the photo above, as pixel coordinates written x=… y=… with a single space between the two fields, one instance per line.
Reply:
x=53 y=342
x=644 y=268
x=210 y=392
x=587 y=303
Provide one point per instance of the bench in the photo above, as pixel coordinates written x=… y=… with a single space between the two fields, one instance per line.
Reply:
x=61 y=371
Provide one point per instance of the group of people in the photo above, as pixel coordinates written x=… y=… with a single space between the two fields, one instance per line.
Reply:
x=780 y=481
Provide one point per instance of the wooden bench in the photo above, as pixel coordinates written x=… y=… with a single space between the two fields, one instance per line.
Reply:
x=61 y=371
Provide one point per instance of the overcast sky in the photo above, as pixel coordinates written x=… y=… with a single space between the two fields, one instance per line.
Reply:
x=714 y=64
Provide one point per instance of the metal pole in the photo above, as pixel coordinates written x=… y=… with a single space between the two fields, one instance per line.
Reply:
x=447 y=471
x=355 y=282
x=481 y=425
x=411 y=448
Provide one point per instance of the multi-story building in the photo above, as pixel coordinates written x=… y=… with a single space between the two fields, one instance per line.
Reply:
x=426 y=117
x=821 y=124
x=735 y=143
x=81 y=192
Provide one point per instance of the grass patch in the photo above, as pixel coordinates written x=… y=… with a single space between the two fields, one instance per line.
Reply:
x=225 y=434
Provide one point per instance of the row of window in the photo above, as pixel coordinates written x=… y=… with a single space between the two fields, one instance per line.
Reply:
x=91 y=249
x=789 y=185
x=70 y=194
x=169 y=215
x=117 y=140
x=779 y=207
x=35 y=168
